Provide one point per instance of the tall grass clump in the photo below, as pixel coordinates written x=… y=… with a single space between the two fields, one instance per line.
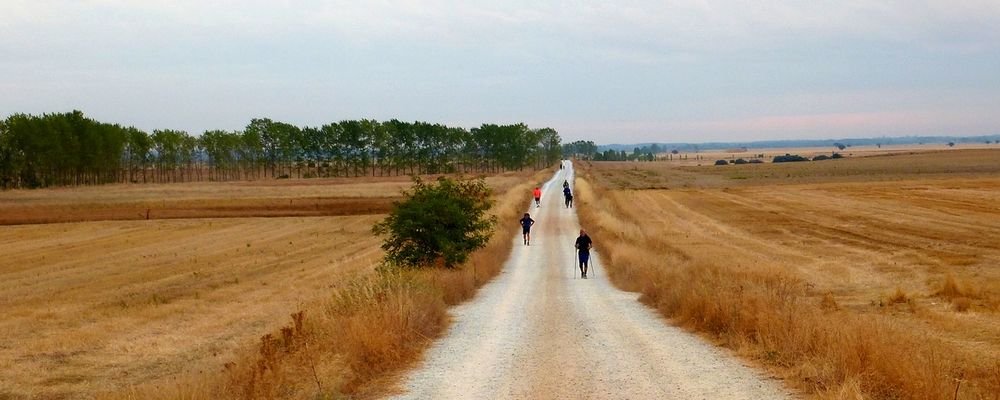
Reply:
x=348 y=344
x=767 y=313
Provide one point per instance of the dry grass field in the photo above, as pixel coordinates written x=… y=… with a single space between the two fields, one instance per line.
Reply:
x=707 y=157
x=872 y=277
x=90 y=306
x=272 y=198
x=122 y=308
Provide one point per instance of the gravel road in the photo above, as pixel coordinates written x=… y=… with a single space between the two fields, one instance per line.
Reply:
x=538 y=331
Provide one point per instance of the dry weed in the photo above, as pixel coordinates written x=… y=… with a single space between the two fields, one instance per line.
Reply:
x=961 y=304
x=899 y=296
x=952 y=288
x=341 y=346
x=828 y=302
x=767 y=312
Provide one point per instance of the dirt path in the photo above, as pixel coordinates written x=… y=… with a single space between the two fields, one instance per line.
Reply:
x=538 y=331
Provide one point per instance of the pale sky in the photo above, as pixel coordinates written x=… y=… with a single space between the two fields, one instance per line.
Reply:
x=612 y=72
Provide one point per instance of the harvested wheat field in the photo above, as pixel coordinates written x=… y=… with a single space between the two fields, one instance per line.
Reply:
x=709 y=156
x=876 y=277
x=272 y=198
x=101 y=305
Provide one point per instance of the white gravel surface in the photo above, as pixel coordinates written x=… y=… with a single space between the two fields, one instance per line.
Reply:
x=538 y=331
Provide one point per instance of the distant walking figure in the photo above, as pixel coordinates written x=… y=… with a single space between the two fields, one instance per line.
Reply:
x=583 y=246
x=569 y=196
x=538 y=197
x=526 y=223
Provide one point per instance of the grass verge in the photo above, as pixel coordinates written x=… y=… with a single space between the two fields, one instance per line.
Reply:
x=349 y=344
x=767 y=314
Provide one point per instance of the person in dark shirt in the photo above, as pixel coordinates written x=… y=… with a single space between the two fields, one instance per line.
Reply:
x=526 y=223
x=569 y=196
x=583 y=246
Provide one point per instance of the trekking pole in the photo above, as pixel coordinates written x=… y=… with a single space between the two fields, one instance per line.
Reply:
x=593 y=264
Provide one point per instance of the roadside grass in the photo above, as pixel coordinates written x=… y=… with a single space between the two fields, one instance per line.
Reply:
x=349 y=344
x=767 y=314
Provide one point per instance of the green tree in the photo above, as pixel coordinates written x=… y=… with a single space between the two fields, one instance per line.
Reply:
x=7 y=167
x=71 y=149
x=437 y=224
x=581 y=149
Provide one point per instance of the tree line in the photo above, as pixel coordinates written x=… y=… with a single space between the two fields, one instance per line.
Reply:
x=61 y=149
x=584 y=150
x=588 y=150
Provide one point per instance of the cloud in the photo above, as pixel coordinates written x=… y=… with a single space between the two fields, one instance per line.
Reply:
x=646 y=67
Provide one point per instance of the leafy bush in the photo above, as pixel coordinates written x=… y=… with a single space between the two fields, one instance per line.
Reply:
x=756 y=161
x=437 y=224
x=721 y=162
x=821 y=157
x=836 y=155
x=740 y=161
x=789 y=158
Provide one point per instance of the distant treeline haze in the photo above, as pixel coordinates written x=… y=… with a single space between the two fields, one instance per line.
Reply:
x=70 y=149
x=588 y=150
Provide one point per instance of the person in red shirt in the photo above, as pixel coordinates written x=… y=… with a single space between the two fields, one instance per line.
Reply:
x=538 y=197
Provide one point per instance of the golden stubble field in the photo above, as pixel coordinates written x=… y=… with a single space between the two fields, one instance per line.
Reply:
x=908 y=243
x=114 y=300
x=707 y=157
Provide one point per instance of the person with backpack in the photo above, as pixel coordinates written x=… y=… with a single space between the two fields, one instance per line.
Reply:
x=583 y=246
x=538 y=197
x=569 y=196
x=526 y=223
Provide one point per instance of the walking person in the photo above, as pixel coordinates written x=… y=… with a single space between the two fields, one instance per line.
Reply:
x=583 y=246
x=526 y=223
x=538 y=197
x=569 y=196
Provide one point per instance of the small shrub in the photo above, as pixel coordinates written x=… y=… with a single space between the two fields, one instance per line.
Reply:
x=721 y=162
x=836 y=155
x=821 y=157
x=756 y=161
x=739 y=161
x=437 y=224
x=789 y=158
